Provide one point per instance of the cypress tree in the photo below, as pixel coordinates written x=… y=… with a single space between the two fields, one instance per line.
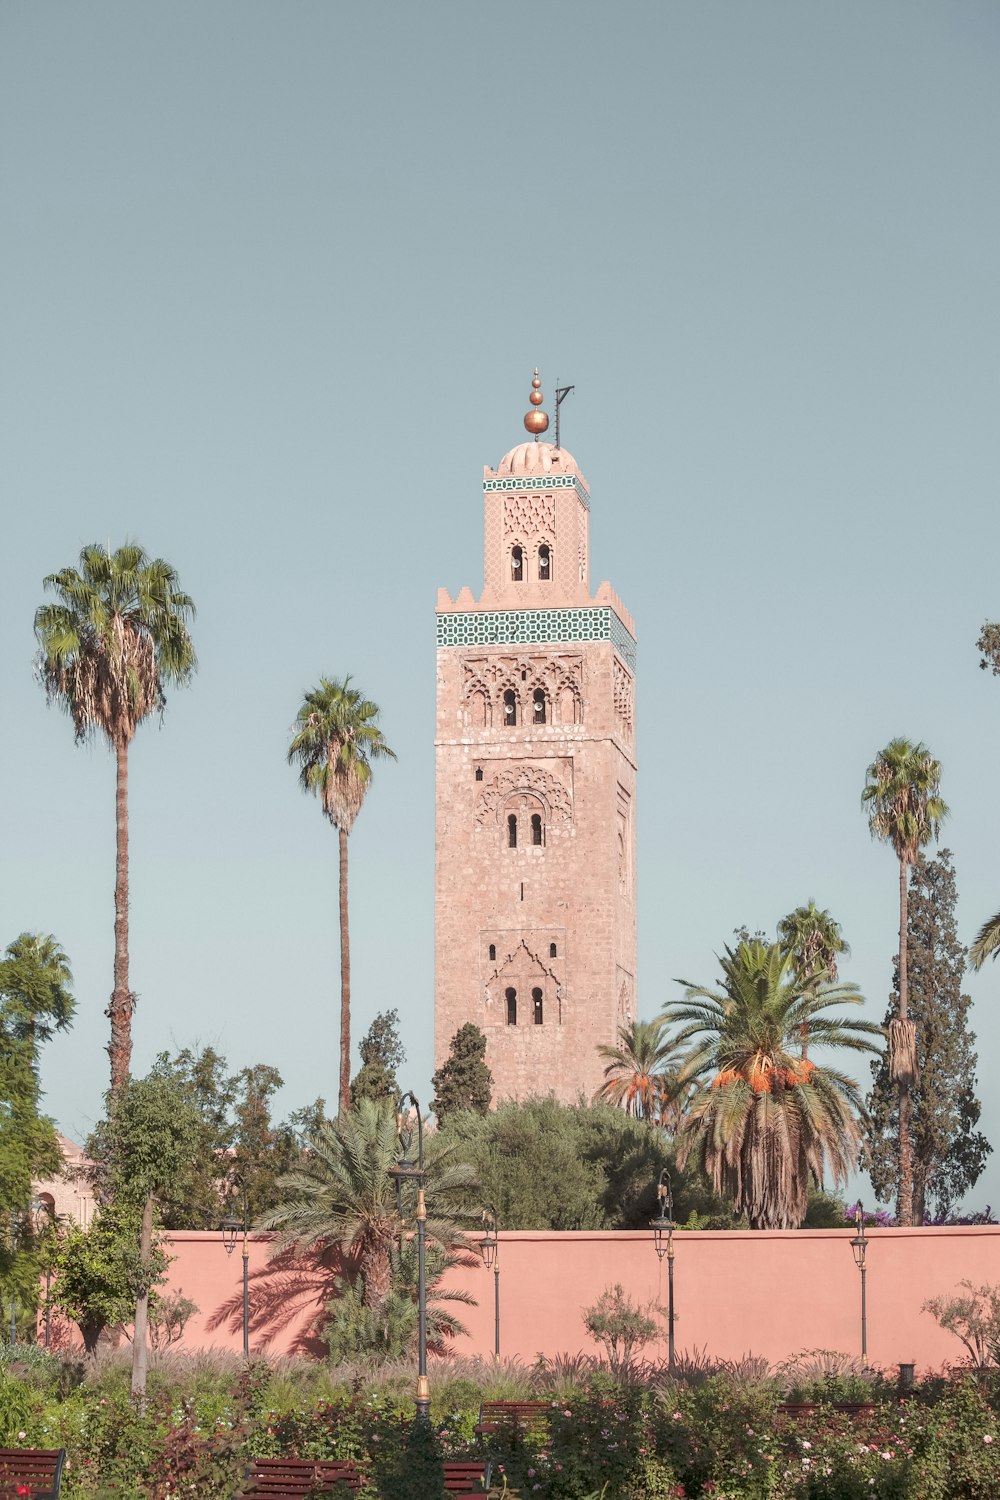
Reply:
x=949 y=1153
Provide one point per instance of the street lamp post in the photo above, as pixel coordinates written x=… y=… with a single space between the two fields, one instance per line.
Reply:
x=663 y=1240
x=231 y=1227
x=406 y=1171
x=489 y=1249
x=859 y=1245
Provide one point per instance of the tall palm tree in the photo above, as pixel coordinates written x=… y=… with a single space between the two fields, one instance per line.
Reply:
x=642 y=1074
x=905 y=809
x=336 y=738
x=814 y=940
x=341 y=1194
x=116 y=637
x=767 y=1124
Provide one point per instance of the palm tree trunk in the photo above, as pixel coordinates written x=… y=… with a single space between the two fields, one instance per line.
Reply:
x=139 y=1349
x=904 y=1193
x=344 y=1103
x=122 y=1003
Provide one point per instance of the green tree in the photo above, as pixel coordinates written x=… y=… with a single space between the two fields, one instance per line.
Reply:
x=337 y=737
x=815 y=942
x=905 y=809
x=768 y=1124
x=548 y=1165
x=99 y=1273
x=642 y=1075
x=145 y=1144
x=463 y=1081
x=35 y=1000
x=948 y=1152
x=621 y=1325
x=116 y=637
x=382 y=1056
x=988 y=646
x=341 y=1194
x=354 y=1330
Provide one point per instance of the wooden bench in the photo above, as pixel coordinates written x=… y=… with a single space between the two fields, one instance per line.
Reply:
x=32 y=1472
x=466 y=1476
x=520 y=1415
x=291 y=1478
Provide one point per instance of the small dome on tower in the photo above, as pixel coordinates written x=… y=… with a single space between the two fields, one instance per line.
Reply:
x=537 y=458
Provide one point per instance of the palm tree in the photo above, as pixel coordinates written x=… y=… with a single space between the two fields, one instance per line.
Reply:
x=336 y=739
x=341 y=1194
x=987 y=944
x=116 y=637
x=768 y=1124
x=642 y=1074
x=814 y=940
x=35 y=982
x=905 y=809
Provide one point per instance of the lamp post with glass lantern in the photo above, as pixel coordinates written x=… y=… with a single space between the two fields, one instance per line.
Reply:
x=663 y=1241
x=231 y=1226
x=859 y=1245
x=489 y=1249
x=408 y=1171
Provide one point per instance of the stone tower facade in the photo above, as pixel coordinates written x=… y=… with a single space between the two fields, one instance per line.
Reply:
x=535 y=930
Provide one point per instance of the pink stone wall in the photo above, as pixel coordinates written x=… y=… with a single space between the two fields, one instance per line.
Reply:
x=772 y=1294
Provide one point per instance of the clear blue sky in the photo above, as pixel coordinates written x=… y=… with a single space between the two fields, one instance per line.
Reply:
x=274 y=279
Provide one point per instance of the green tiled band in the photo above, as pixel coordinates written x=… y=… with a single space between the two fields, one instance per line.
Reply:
x=536 y=627
x=552 y=482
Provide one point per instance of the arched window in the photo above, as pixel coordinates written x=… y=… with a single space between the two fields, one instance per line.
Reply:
x=493 y=953
x=538 y=706
x=567 y=706
x=512 y=830
x=536 y=996
x=511 y=1007
x=479 y=773
x=509 y=708
x=536 y=828
x=553 y=951
x=517 y=564
x=544 y=563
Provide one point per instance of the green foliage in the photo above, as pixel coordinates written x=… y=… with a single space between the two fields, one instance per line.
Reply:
x=973 y=1316
x=766 y=1124
x=341 y=1194
x=548 y=1165
x=948 y=1152
x=98 y=1273
x=463 y=1081
x=144 y=1147
x=621 y=1325
x=382 y=1056
x=355 y=1330
x=168 y=1317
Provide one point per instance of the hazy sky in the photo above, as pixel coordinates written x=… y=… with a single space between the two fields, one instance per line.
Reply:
x=274 y=279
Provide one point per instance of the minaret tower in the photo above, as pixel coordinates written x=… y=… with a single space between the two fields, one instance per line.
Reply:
x=535 y=934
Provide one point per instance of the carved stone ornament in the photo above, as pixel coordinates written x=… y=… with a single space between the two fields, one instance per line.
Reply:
x=530 y=779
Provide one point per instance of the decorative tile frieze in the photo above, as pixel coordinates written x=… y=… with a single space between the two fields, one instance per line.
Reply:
x=526 y=627
x=544 y=482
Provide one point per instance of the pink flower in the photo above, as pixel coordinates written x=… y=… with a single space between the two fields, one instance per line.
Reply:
x=987 y=1437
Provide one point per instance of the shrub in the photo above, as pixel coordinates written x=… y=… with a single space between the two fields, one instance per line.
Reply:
x=620 y=1324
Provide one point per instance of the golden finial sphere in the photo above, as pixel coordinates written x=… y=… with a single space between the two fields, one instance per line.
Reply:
x=536 y=421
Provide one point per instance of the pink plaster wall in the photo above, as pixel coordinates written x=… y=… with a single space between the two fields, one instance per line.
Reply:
x=772 y=1294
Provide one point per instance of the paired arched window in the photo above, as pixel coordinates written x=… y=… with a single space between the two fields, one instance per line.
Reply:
x=544 y=563
x=509 y=708
x=536 y=828
x=536 y=999
x=512 y=830
x=538 y=712
x=517 y=564
x=511 y=997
